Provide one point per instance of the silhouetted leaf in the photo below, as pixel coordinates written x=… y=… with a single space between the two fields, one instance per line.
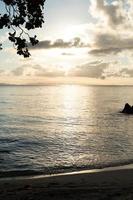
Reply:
x=22 y=14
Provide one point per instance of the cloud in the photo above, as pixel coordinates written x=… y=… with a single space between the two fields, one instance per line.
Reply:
x=127 y=72
x=2 y=72
x=96 y=69
x=67 y=54
x=110 y=43
x=105 y=51
x=116 y=70
x=108 y=37
x=28 y=70
x=113 y=27
x=37 y=70
x=113 y=11
x=90 y=70
x=59 y=43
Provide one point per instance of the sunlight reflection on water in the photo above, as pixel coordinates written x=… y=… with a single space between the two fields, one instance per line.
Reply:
x=64 y=127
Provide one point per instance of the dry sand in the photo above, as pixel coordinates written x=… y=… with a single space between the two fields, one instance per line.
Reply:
x=112 y=183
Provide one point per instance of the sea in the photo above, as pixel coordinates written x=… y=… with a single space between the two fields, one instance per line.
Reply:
x=63 y=128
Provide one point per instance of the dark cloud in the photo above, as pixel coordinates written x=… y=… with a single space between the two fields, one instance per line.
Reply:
x=115 y=19
x=105 y=51
x=90 y=70
x=112 y=11
x=67 y=54
x=109 y=43
x=47 y=44
x=127 y=71
x=59 y=43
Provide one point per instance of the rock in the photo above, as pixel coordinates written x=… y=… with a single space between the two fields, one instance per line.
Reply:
x=128 y=109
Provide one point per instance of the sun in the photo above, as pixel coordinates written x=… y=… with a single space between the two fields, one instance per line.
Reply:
x=71 y=31
x=77 y=31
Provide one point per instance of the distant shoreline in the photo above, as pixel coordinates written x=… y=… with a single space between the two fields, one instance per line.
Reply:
x=63 y=84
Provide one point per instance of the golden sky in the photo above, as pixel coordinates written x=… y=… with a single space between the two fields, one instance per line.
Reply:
x=82 y=42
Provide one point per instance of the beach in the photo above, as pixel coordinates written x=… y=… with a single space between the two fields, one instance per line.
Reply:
x=111 y=183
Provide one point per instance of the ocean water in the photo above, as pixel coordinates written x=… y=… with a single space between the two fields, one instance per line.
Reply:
x=52 y=129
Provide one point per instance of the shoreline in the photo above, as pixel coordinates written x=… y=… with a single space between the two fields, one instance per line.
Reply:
x=97 y=184
x=35 y=175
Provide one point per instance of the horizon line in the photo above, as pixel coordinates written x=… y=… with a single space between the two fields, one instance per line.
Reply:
x=54 y=84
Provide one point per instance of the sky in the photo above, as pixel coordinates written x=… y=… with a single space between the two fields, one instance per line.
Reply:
x=82 y=42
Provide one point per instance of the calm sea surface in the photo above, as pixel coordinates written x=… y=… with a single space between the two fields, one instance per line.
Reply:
x=52 y=129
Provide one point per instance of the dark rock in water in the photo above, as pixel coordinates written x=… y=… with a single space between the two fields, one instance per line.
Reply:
x=128 y=109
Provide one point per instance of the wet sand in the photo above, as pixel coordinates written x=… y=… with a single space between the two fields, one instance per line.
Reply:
x=112 y=183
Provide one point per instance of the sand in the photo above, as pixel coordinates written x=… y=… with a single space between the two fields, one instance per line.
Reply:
x=112 y=183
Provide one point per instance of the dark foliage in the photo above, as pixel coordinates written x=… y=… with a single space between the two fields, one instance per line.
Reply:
x=22 y=15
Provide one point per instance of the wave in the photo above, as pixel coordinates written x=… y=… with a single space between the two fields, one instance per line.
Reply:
x=60 y=169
